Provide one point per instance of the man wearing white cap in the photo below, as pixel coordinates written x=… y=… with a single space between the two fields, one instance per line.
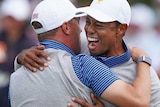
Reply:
x=68 y=74
x=106 y=40
x=105 y=27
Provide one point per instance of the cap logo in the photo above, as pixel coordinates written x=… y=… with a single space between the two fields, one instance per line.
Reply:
x=35 y=16
x=99 y=1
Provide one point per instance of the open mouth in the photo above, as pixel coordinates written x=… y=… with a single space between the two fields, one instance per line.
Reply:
x=92 y=43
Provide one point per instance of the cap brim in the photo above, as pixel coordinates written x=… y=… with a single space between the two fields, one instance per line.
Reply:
x=96 y=14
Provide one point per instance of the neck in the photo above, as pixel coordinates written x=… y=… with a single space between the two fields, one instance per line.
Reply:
x=116 y=50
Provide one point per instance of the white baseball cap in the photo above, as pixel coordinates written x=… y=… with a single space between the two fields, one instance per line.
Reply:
x=53 y=13
x=109 y=10
x=18 y=9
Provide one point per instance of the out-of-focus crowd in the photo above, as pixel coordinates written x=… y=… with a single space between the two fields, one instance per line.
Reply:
x=144 y=30
x=16 y=34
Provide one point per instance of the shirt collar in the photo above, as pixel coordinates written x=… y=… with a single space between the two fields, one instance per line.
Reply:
x=55 y=45
x=109 y=61
x=116 y=60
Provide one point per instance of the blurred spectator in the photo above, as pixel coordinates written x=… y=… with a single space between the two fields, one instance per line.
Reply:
x=14 y=37
x=142 y=32
x=156 y=6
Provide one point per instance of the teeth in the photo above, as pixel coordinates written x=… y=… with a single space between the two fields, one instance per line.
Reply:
x=92 y=39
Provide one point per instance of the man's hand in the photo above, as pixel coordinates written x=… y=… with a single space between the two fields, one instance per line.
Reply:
x=31 y=58
x=137 y=52
x=83 y=103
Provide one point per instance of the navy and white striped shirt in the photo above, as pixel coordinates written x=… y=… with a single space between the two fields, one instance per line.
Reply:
x=92 y=73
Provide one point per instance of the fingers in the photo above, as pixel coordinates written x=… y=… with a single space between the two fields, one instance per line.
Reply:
x=33 y=63
x=40 y=47
x=30 y=67
x=97 y=102
x=94 y=98
x=31 y=58
x=41 y=53
x=81 y=102
x=71 y=105
x=137 y=52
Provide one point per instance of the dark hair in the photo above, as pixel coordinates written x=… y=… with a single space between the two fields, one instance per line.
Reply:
x=117 y=23
x=36 y=25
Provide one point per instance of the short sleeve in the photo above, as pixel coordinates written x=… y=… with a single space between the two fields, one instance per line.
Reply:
x=93 y=73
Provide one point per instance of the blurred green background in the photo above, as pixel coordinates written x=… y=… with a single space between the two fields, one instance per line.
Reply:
x=80 y=3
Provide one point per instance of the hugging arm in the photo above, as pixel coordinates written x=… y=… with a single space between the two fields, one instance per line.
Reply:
x=136 y=94
x=31 y=58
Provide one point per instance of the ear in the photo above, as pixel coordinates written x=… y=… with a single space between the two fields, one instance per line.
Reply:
x=122 y=28
x=66 y=28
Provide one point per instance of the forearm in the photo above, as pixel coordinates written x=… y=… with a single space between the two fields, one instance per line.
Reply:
x=136 y=94
x=142 y=82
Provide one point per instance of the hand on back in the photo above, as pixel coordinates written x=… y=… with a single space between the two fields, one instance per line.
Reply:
x=137 y=52
x=31 y=58
x=83 y=103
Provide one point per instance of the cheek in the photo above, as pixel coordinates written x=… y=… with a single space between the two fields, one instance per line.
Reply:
x=76 y=30
x=77 y=39
x=106 y=39
x=85 y=27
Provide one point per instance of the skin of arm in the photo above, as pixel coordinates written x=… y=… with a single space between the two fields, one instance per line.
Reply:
x=138 y=93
